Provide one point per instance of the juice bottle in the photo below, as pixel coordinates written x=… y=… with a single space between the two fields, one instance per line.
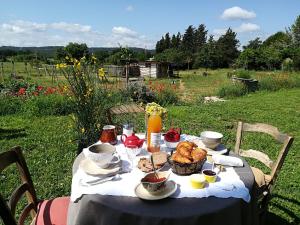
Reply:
x=153 y=133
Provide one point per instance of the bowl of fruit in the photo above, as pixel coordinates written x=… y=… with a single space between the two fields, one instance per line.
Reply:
x=172 y=137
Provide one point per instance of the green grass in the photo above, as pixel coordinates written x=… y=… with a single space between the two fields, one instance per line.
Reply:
x=49 y=152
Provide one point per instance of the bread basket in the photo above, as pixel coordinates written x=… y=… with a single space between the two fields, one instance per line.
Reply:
x=185 y=168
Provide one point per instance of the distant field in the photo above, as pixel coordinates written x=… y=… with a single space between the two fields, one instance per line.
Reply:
x=191 y=84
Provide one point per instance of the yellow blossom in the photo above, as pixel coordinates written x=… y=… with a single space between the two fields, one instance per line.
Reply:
x=101 y=72
x=82 y=130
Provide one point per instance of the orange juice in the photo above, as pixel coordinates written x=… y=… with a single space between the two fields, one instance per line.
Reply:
x=153 y=133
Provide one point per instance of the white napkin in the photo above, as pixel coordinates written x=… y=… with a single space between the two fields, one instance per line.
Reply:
x=227 y=160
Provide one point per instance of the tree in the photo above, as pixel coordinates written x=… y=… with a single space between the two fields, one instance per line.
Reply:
x=296 y=32
x=167 y=43
x=101 y=55
x=188 y=40
x=200 y=37
x=60 y=53
x=160 y=45
x=208 y=56
x=76 y=50
x=253 y=44
x=227 y=45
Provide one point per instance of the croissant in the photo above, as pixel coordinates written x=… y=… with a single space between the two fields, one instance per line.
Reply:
x=179 y=158
x=198 y=154
x=184 y=151
x=187 y=144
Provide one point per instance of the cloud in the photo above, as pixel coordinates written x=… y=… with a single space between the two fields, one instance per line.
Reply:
x=236 y=13
x=124 y=31
x=247 y=27
x=219 y=32
x=26 y=33
x=70 y=27
x=129 y=8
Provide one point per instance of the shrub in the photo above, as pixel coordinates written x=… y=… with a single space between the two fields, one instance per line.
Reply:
x=232 y=90
x=245 y=74
x=287 y=64
x=10 y=105
x=50 y=105
x=276 y=82
x=36 y=105
x=166 y=97
x=138 y=93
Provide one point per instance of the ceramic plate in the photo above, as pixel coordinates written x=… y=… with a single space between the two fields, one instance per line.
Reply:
x=91 y=168
x=142 y=193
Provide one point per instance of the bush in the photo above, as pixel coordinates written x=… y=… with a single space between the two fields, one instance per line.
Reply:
x=232 y=90
x=36 y=105
x=10 y=105
x=245 y=74
x=138 y=93
x=287 y=65
x=277 y=82
x=50 y=105
x=167 y=97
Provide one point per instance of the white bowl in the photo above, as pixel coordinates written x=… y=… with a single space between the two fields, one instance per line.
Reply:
x=211 y=139
x=171 y=144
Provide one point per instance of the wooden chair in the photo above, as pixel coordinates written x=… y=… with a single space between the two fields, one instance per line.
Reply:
x=264 y=182
x=130 y=108
x=42 y=212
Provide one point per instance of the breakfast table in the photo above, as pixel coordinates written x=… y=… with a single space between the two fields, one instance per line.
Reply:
x=114 y=209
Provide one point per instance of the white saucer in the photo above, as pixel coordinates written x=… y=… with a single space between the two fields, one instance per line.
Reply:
x=220 y=150
x=142 y=193
x=91 y=168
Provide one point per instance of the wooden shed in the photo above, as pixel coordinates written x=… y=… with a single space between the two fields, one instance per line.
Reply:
x=155 y=69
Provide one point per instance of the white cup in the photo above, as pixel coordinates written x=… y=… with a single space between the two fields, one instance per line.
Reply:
x=103 y=155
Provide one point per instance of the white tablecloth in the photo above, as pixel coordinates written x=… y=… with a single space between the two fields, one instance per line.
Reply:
x=228 y=183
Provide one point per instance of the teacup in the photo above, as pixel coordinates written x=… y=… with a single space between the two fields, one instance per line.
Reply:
x=211 y=139
x=103 y=155
x=210 y=176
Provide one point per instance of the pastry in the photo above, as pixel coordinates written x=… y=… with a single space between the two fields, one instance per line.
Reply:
x=188 y=152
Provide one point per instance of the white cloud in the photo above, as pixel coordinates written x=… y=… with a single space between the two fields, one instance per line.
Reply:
x=70 y=27
x=247 y=27
x=26 y=33
x=219 y=32
x=123 y=31
x=243 y=28
x=236 y=12
x=129 y=8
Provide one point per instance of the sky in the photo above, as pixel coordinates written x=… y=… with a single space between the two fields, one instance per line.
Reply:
x=137 y=23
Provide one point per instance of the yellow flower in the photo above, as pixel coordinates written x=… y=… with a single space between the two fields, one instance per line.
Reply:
x=101 y=72
x=61 y=66
x=82 y=130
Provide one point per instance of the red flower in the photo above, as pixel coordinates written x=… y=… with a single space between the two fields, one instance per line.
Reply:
x=39 y=88
x=35 y=93
x=22 y=91
x=50 y=90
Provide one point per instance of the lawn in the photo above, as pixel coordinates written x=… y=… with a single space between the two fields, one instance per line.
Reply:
x=49 y=150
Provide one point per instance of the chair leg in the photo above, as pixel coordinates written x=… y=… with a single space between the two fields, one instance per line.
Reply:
x=264 y=209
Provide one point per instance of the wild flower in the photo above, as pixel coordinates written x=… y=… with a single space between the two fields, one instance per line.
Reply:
x=101 y=72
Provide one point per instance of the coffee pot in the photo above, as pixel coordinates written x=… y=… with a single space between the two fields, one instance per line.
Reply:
x=132 y=141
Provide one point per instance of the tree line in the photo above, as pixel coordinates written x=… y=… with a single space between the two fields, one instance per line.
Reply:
x=195 y=49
